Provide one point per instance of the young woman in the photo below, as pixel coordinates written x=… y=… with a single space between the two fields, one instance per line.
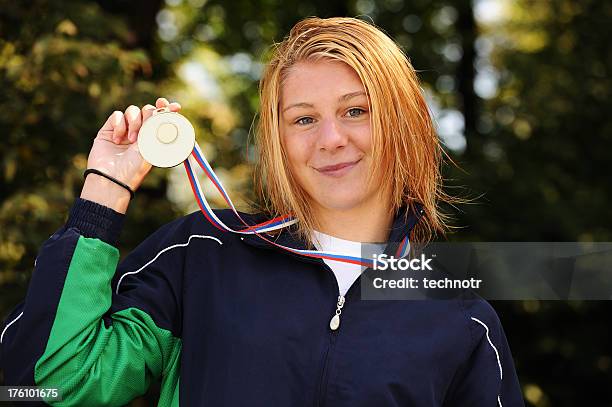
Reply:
x=348 y=147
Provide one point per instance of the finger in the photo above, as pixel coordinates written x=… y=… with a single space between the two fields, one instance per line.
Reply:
x=107 y=127
x=117 y=122
x=161 y=102
x=147 y=111
x=174 y=106
x=134 y=121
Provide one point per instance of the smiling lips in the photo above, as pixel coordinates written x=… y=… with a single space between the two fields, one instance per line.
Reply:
x=337 y=170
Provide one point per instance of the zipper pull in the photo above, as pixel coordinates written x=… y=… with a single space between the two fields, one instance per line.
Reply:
x=335 y=321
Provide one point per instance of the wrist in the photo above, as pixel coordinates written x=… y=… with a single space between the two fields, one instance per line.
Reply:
x=105 y=192
x=93 y=220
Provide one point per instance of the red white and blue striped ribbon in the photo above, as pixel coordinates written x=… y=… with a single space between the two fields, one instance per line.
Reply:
x=197 y=158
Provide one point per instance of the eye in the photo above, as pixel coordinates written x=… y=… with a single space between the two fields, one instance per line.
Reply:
x=303 y=121
x=355 y=112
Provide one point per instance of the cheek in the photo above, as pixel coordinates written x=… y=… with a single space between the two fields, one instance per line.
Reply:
x=297 y=150
x=363 y=139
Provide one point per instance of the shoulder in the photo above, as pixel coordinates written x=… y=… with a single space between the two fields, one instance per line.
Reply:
x=170 y=247
x=478 y=312
x=486 y=370
x=483 y=323
x=198 y=224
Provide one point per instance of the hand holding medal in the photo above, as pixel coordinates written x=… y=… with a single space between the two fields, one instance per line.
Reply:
x=115 y=160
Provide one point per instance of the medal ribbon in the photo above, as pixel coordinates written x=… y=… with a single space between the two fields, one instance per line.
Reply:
x=197 y=158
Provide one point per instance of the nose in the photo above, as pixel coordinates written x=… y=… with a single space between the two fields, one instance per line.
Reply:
x=331 y=135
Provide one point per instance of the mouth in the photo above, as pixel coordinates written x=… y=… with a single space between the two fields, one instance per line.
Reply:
x=337 y=170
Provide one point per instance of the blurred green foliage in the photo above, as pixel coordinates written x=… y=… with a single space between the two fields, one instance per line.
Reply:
x=522 y=100
x=63 y=70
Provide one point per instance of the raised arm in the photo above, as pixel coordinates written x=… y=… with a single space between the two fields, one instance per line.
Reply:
x=72 y=332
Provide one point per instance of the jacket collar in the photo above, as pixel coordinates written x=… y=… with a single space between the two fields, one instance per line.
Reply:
x=405 y=220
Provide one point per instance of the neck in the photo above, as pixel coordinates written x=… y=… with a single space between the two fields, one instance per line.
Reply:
x=366 y=223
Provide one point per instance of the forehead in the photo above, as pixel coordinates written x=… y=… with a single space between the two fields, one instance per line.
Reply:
x=312 y=80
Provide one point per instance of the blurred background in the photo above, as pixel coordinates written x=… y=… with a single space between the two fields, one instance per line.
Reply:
x=520 y=91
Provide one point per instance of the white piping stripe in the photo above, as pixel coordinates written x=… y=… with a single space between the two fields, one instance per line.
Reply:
x=499 y=401
x=501 y=375
x=9 y=324
x=162 y=252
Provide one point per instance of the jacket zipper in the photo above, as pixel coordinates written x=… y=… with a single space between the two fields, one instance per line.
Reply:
x=334 y=329
x=333 y=333
x=334 y=323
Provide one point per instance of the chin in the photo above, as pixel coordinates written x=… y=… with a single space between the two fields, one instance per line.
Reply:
x=340 y=202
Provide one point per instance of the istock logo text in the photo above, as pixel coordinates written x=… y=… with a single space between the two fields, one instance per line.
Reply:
x=386 y=262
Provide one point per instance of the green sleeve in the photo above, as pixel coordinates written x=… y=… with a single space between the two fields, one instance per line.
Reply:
x=104 y=361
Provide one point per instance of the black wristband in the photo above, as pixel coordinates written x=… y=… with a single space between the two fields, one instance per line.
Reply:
x=115 y=180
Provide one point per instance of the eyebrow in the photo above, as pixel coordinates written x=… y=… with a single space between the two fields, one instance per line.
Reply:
x=342 y=98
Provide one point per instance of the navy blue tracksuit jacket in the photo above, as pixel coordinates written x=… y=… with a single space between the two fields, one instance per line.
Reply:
x=225 y=320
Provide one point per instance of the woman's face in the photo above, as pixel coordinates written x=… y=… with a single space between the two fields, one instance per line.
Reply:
x=326 y=134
